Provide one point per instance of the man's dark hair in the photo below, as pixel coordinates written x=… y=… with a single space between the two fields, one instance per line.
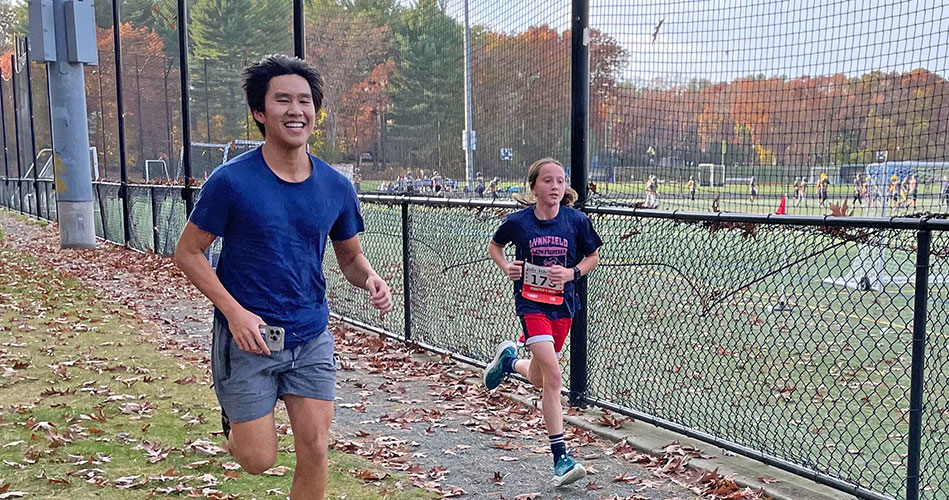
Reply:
x=257 y=78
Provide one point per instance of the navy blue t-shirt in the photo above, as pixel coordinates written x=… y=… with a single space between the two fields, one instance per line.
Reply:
x=564 y=240
x=274 y=236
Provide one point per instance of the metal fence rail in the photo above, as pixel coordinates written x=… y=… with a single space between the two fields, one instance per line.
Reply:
x=815 y=344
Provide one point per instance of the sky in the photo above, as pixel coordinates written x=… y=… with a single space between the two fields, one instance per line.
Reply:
x=721 y=40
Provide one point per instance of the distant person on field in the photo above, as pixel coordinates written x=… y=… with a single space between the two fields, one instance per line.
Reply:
x=652 y=192
x=493 y=187
x=823 y=186
x=913 y=191
x=893 y=191
x=944 y=192
x=858 y=189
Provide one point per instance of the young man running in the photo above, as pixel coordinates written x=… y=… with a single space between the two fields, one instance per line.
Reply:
x=275 y=207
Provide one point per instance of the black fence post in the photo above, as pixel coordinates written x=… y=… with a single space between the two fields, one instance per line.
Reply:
x=120 y=116
x=6 y=163
x=921 y=296
x=3 y=130
x=103 y=146
x=29 y=100
x=299 y=35
x=52 y=151
x=207 y=100
x=16 y=132
x=186 y=193
x=406 y=279
x=579 y=127
x=155 y=206
x=141 y=125
x=166 y=69
x=46 y=186
x=102 y=211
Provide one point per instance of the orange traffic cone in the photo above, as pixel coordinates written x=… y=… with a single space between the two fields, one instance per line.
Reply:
x=782 y=208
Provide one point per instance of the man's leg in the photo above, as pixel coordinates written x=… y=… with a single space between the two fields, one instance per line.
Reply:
x=310 y=420
x=254 y=444
x=252 y=438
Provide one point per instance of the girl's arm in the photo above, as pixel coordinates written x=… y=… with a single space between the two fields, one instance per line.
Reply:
x=560 y=274
x=513 y=269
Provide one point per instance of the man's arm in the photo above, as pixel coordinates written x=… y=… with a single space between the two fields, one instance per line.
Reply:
x=359 y=272
x=189 y=257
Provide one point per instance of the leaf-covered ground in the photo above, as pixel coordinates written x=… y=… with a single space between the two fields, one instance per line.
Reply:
x=89 y=407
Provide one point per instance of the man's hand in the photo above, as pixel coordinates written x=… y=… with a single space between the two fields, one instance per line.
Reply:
x=514 y=269
x=379 y=294
x=245 y=328
x=559 y=275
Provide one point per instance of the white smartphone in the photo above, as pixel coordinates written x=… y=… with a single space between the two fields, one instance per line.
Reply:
x=273 y=336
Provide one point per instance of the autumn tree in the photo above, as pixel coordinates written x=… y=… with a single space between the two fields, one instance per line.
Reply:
x=344 y=45
x=149 y=82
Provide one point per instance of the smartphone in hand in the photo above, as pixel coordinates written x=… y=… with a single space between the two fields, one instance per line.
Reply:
x=273 y=337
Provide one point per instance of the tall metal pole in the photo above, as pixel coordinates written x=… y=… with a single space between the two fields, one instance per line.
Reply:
x=52 y=158
x=207 y=99
x=6 y=164
x=166 y=69
x=101 y=124
x=120 y=112
x=469 y=116
x=406 y=275
x=299 y=27
x=579 y=127
x=185 y=104
x=67 y=91
x=29 y=100
x=921 y=297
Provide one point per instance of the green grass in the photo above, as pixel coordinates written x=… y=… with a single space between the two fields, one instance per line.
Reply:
x=72 y=361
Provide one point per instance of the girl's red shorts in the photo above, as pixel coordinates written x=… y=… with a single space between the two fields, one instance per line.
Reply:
x=539 y=328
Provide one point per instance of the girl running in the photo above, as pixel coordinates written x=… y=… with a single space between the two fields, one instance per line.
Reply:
x=554 y=245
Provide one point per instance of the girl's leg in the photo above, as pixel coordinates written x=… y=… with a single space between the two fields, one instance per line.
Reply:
x=544 y=368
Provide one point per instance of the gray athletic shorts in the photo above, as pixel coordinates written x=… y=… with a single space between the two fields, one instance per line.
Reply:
x=248 y=385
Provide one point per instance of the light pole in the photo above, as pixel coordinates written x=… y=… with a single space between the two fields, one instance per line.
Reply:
x=468 y=137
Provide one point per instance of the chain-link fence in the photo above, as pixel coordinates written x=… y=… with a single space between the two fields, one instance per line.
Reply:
x=761 y=106
x=791 y=342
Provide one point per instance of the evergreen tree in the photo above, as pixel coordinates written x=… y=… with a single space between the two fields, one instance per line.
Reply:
x=140 y=13
x=427 y=88
x=226 y=35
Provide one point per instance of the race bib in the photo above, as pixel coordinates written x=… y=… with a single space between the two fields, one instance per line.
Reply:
x=537 y=286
